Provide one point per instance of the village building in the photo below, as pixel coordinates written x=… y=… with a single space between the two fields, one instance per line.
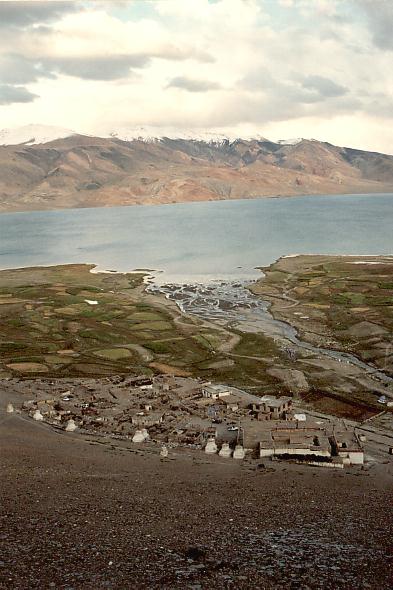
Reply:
x=147 y=419
x=284 y=438
x=215 y=391
x=348 y=446
x=140 y=381
x=192 y=412
x=230 y=403
x=272 y=408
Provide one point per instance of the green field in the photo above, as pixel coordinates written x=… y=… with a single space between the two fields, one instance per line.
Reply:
x=48 y=328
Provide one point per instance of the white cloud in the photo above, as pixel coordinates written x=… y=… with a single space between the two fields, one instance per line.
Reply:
x=292 y=68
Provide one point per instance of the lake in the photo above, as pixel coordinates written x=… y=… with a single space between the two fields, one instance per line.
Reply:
x=197 y=242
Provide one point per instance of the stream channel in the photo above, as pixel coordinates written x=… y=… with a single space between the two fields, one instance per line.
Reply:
x=231 y=304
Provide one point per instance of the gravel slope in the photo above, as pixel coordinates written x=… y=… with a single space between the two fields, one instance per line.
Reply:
x=82 y=515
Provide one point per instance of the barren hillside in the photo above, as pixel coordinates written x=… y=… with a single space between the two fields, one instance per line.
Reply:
x=81 y=171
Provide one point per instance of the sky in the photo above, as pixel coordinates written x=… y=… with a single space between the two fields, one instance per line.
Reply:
x=279 y=69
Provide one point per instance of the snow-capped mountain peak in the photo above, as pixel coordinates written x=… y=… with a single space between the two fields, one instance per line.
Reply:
x=151 y=134
x=293 y=141
x=33 y=134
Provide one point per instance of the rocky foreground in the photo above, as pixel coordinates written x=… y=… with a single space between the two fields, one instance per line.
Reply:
x=85 y=513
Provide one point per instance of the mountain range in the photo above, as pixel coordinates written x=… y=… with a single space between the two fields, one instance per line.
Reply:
x=54 y=168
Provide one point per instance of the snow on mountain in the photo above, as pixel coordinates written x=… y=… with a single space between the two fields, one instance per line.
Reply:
x=33 y=134
x=153 y=134
x=37 y=134
x=293 y=141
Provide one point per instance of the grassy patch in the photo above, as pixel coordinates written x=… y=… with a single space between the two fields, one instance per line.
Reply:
x=114 y=354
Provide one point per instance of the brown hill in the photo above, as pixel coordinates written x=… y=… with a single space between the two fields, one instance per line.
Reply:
x=80 y=171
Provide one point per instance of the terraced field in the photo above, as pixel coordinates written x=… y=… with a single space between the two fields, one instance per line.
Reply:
x=345 y=303
x=68 y=321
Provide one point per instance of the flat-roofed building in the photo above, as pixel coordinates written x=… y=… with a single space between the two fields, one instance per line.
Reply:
x=215 y=391
x=230 y=402
x=283 y=438
x=147 y=418
x=348 y=447
x=270 y=407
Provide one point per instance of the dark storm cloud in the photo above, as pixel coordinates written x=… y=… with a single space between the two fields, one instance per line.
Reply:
x=379 y=15
x=324 y=87
x=10 y=94
x=23 y=14
x=193 y=85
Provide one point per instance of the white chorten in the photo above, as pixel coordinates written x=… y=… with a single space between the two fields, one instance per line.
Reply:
x=138 y=437
x=239 y=453
x=164 y=452
x=38 y=416
x=225 y=450
x=70 y=426
x=211 y=447
x=9 y=409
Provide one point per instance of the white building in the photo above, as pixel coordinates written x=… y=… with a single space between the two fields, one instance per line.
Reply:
x=215 y=391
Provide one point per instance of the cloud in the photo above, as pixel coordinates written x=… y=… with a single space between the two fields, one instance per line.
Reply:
x=234 y=64
x=290 y=89
x=22 y=14
x=379 y=16
x=10 y=94
x=193 y=85
x=18 y=69
x=112 y=67
x=325 y=87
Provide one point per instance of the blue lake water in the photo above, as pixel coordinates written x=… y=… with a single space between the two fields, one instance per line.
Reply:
x=199 y=241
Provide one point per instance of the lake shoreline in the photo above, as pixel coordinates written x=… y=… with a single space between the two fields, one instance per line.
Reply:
x=193 y=202
x=198 y=242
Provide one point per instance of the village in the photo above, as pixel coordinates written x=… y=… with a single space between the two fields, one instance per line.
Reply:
x=180 y=411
